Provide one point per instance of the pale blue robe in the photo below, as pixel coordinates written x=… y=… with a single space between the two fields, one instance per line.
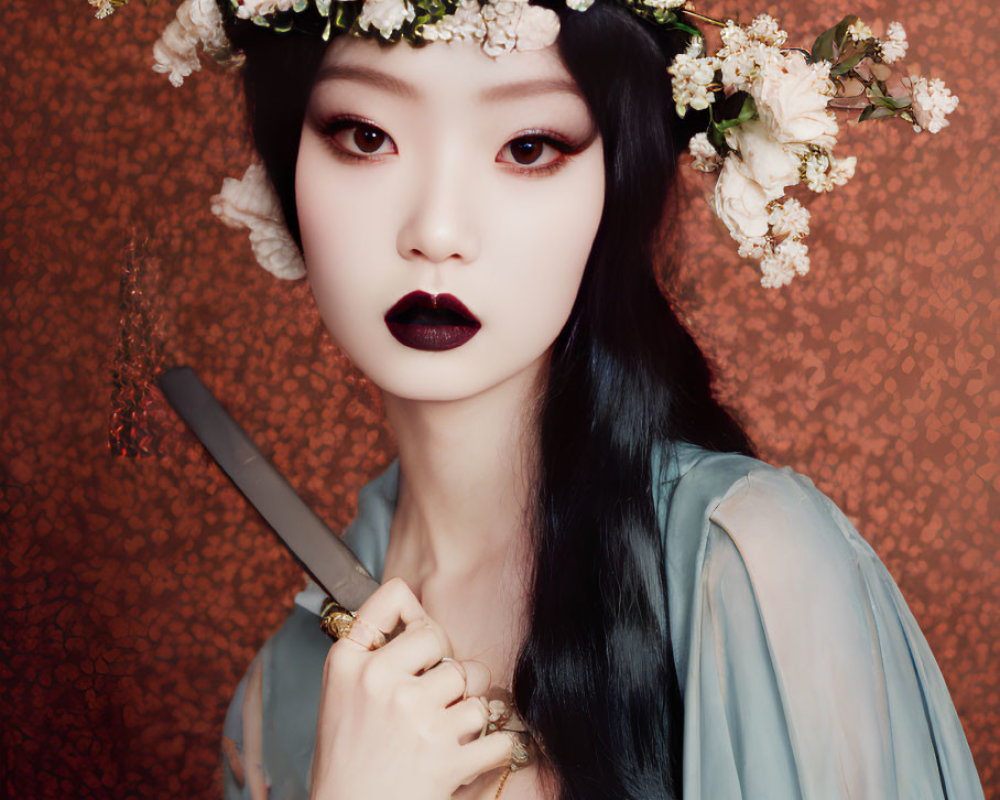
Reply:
x=803 y=673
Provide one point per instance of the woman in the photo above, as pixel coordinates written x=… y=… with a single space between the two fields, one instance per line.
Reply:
x=573 y=515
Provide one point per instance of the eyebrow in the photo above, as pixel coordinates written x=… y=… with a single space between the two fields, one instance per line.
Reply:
x=373 y=77
x=389 y=83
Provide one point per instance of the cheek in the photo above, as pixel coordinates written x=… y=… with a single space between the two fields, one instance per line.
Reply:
x=546 y=246
x=337 y=240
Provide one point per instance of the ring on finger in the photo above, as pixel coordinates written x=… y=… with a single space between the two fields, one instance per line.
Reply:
x=460 y=668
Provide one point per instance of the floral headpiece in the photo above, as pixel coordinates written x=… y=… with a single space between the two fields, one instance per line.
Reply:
x=771 y=107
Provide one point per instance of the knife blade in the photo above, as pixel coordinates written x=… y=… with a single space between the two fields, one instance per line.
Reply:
x=318 y=549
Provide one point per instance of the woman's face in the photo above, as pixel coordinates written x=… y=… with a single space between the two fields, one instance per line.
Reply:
x=448 y=202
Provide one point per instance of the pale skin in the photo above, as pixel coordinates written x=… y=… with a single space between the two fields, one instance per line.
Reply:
x=482 y=178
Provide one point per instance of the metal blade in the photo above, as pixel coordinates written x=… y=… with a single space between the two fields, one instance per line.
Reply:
x=318 y=549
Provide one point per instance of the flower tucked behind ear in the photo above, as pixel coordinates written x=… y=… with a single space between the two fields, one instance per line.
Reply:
x=251 y=202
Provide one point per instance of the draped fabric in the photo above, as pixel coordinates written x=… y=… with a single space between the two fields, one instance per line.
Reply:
x=803 y=673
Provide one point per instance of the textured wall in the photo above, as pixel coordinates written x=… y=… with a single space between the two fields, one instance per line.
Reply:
x=135 y=590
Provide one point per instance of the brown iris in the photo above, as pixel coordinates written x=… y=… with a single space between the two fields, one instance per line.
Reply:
x=368 y=139
x=526 y=150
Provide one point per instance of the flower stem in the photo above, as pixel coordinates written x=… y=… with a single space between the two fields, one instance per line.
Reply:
x=701 y=17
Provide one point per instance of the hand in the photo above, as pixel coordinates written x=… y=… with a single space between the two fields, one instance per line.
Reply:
x=393 y=722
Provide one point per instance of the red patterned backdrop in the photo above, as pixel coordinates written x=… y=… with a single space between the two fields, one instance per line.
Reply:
x=136 y=588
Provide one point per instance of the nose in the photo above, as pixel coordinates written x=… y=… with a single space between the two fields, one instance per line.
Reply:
x=440 y=225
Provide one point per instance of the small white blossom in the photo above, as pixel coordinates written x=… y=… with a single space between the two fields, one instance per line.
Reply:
x=250 y=9
x=465 y=23
x=663 y=5
x=789 y=219
x=779 y=267
x=386 y=16
x=932 y=101
x=579 y=5
x=756 y=247
x=706 y=157
x=859 y=32
x=842 y=170
x=823 y=173
x=765 y=29
x=104 y=8
x=894 y=46
x=692 y=76
x=252 y=203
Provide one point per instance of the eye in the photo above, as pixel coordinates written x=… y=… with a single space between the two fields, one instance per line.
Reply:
x=357 y=139
x=534 y=151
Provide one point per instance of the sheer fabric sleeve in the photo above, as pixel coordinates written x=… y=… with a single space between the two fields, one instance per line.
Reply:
x=807 y=676
x=270 y=728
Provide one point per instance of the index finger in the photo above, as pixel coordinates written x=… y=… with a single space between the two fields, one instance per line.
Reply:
x=392 y=604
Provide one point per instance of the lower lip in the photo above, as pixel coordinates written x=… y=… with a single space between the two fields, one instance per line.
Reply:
x=431 y=337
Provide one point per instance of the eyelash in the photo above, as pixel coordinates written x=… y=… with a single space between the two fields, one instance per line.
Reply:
x=331 y=129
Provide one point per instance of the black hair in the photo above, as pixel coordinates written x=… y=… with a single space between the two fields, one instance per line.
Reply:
x=595 y=679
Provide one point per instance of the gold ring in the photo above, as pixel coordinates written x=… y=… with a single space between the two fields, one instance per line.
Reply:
x=335 y=620
x=339 y=623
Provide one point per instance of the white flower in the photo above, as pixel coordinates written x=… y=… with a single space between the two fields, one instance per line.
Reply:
x=104 y=8
x=386 y=16
x=501 y=20
x=770 y=164
x=198 y=23
x=706 y=157
x=740 y=202
x=251 y=202
x=663 y=5
x=465 y=23
x=765 y=29
x=501 y=26
x=822 y=172
x=932 y=101
x=859 y=32
x=248 y=9
x=756 y=248
x=894 y=46
x=789 y=219
x=579 y=5
x=792 y=96
x=692 y=75
x=537 y=28
x=788 y=259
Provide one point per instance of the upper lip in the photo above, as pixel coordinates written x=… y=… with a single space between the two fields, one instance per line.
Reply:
x=450 y=305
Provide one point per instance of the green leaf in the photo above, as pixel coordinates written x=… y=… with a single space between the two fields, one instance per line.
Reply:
x=738 y=107
x=718 y=139
x=847 y=64
x=829 y=43
x=893 y=103
x=875 y=112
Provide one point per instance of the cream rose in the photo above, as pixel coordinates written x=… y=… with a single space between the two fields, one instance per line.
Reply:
x=537 y=28
x=770 y=164
x=386 y=16
x=791 y=98
x=740 y=202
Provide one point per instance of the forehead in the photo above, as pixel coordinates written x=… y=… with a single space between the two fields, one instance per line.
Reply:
x=458 y=70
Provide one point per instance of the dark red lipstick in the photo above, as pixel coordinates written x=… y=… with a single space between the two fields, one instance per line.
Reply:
x=431 y=321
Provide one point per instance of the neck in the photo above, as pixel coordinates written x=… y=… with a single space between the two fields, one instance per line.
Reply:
x=466 y=468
